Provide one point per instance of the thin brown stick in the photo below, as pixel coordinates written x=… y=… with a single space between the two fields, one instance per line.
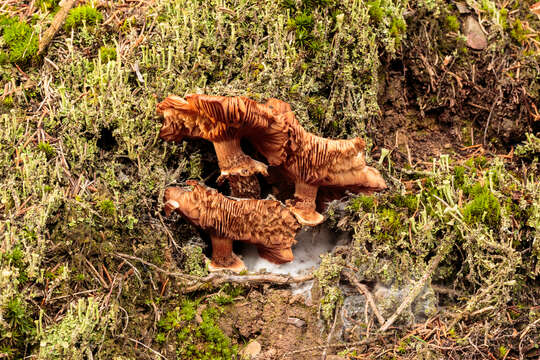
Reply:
x=218 y=279
x=337 y=345
x=56 y=24
x=148 y=347
x=96 y=273
x=364 y=290
x=417 y=288
x=330 y=334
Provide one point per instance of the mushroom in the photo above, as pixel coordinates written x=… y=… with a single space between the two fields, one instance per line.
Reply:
x=265 y=223
x=308 y=160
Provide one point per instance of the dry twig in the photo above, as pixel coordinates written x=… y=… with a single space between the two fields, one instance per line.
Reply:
x=330 y=334
x=217 y=279
x=321 y=347
x=56 y=24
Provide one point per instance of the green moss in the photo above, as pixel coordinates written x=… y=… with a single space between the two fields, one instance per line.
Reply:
x=302 y=21
x=45 y=5
x=227 y=294
x=459 y=176
x=107 y=207
x=376 y=13
x=363 y=202
x=476 y=162
x=391 y=221
x=82 y=15
x=20 y=323
x=204 y=341
x=408 y=201
x=518 y=32
x=484 y=208
x=20 y=41
x=452 y=23
x=397 y=29
x=503 y=350
x=47 y=149
x=107 y=53
x=8 y=101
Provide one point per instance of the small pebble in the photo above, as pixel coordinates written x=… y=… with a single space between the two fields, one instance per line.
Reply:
x=296 y=322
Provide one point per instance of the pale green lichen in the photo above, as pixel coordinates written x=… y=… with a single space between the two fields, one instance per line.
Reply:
x=82 y=331
x=529 y=148
x=328 y=275
x=194 y=260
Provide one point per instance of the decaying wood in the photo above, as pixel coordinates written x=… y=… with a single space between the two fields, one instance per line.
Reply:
x=307 y=160
x=56 y=24
x=265 y=223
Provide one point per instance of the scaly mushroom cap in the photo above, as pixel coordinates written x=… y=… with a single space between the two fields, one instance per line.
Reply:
x=265 y=223
x=219 y=118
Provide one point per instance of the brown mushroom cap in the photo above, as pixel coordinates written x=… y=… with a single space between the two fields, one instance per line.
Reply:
x=266 y=223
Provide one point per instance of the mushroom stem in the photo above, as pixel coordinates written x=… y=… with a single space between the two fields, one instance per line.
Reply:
x=303 y=206
x=223 y=257
x=232 y=160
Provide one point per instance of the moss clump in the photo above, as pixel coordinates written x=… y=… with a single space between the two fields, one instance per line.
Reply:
x=107 y=53
x=398 y=27
x=47 y=149
x=476 y=162
x=82 y=15
x=452 y=23
x=107 y=207
x=20 y=41
x=518 y=32
x=194 y=260
x=47 y=4
x=204 y=341
x=484 y=208
x=376 y=13
x=391 y=222
x=363 y=202
x=380 y=10
x=459 y=176
x=20 y=327
x=408 y=201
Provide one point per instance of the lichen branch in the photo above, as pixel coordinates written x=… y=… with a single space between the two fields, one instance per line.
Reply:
x=443 y=249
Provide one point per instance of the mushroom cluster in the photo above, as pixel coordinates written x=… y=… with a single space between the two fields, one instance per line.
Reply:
x=308 y=161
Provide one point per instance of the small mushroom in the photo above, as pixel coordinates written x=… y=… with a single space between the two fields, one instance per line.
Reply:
x=265 y=223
